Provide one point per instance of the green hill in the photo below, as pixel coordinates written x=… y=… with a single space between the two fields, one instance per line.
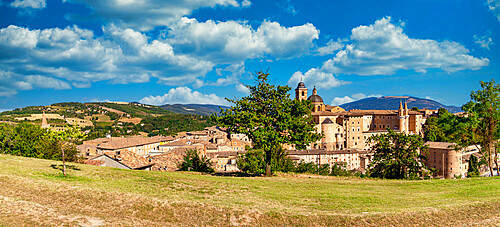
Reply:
x=200 y=109
x=115 y=118
x=34 y=193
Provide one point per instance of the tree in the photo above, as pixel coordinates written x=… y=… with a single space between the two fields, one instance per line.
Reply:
x=473 y=170
x=397 y=155
x=252 y=161
x=484 y=117
x=67 y=138
x=194 y=162
x=446 y=127
x=270 y=119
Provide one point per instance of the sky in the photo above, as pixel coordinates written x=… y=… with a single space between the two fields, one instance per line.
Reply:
x=203 y=51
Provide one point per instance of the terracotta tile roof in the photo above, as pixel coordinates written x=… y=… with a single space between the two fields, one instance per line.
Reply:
x=94 y=162
x=175 y=143
x=130 y=159
x=168 y=161
x=440 y=145
x=119 y=143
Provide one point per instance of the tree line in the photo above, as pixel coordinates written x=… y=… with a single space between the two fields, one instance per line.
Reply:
x=29 y=140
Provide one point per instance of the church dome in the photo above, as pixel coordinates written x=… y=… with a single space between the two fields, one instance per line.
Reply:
x=315 y=98
x=301 y=85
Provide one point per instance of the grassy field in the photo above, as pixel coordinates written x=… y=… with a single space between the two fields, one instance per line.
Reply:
x=34 y=192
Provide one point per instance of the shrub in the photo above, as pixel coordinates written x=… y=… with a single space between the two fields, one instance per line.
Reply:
x=194 y=162
x=339 y=170
x=254 y=162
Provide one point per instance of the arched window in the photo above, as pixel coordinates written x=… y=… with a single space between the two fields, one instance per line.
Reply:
x=302 y=93
x=318 y=108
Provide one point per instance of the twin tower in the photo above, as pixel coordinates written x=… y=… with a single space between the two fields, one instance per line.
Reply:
x=317 y=101
x=403 y=116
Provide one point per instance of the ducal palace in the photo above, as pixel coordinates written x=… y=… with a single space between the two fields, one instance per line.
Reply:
x=351 y=129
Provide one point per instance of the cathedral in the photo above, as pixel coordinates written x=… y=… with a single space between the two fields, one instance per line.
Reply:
x=351 y=129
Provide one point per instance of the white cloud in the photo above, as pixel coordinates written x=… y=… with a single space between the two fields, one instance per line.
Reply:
x=120 y=56
x=484 y=41
x=11 y=83
x=232 y=42
x=337 y=101
x=184 y=95
x=181 y=54
x=315 y=77
x=146 y=14
x=242 y=88
x=246 y=3
x=382 y=49
x=494 y=6
x=34 y=4
x=330 y=47
x=47 y=82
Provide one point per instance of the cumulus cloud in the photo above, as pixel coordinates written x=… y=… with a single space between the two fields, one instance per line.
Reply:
x=246 y=3
x=242 y=88
x=184 y=95
x=33 y=4
x=382 y=49
x=74 y=54
x=330 y=47
x=47 y=82
x=11 y=83
x=337 y=101
x=316 y=77
x=233 y=41
x=494 y=6
x=484 y=41
x=146 y=14
x=181 y=54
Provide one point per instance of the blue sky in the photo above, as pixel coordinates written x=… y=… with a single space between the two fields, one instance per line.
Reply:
x=159 y=52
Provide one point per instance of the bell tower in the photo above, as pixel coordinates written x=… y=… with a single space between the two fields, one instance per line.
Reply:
x=301 y=91
x=401 y=118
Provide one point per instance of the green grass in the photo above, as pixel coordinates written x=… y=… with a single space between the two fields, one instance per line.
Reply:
x=33 y=192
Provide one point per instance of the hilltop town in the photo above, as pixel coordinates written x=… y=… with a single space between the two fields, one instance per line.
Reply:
x=345 y=140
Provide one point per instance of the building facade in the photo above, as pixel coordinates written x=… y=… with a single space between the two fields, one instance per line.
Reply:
x=351 y=129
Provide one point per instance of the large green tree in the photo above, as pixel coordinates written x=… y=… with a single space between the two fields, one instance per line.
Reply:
x=484 y=120
x=270 y=118
x=397 y=155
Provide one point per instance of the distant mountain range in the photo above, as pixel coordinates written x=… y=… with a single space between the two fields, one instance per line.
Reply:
x=200 y=109
x=392 y=103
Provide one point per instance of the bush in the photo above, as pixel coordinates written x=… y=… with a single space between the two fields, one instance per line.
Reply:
x=254 y=162
x=193 y=162
x=339 y=170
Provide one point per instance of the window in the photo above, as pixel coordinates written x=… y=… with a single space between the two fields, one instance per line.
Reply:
x=302 y=93
x=318 y=108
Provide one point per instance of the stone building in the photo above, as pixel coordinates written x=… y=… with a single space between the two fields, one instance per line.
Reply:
x=351 y=129
x=449 y=161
